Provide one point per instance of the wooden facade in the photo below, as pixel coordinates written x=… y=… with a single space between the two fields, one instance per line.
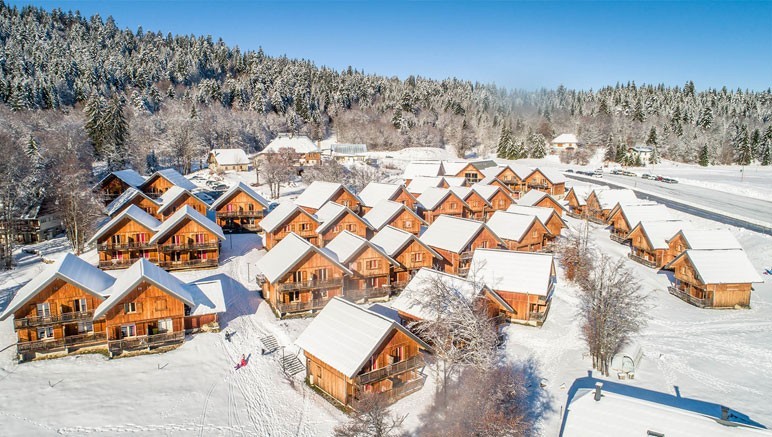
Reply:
x=479 y=208
x=347 y=221
x=141 y=202
x=112 y=187
x=299 y=222
x=342 y=197
x=240 y=213
x=125 y=243
x=500 y=201
x=188 y=245
x=145 y=310
x=412 y=258
x=186 y=198
x=595 y=210
x=534 y=239
x=156 y=185
x=640 y=246
x=538 y=181
x=575 y=205
x=471 y=173
x=400 y=196
x=452 y=205
x=528 y=308
x=689 y=287
x=372 y=275
x=550 y=202
x=407 y=221
x=512 y=180
x=457 y=263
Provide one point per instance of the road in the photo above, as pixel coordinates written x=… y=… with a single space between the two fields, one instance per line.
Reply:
x=734 y=206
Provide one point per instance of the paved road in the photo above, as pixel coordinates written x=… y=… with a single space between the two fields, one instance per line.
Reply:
x=670 y=194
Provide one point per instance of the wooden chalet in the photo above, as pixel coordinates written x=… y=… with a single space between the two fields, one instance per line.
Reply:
x=351 y=351
x=624 y=218
x=422 y=169
x=479 y=207
x=288 y=218
x=298 y=277
x=649 y=241
x=132 y=196
x=239 y=209
x=713 y=278
x=389 y=213
x=550 y=181
x=452 y=181
x=498 y=198
x=371 y=267
x=319 y=193
x=228 y=160
x=302 y=150
x=576 y=199
x=549 y=218
x=456 y=238
x=125 y=238
x=520 y=232
x=698 y=239
x=541 y=199
x=512 y=176
x=54 y=311
x=149 y=308
x=417 y=186
x=442 y=201
x=376 y=192
x=601 y=202
x=188 y=240
x=408 y=250
x=159 y=182
x=526 y=281
x=335 y=218
x=115 y=183
x=471 y=171
x=176 y=198
x=495 y=182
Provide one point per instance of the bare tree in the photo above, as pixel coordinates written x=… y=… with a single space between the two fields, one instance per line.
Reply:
x=611 y=309
x=361 y=175
x=277 y=168
x=184 y=145
x=372 y=419
x=327 y=171
x=575 y=254
x=15 y=191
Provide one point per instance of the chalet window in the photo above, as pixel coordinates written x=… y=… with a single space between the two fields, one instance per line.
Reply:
x=305 y=226
x=128 y=331
x=407 y=224
x=470 y=176
x=160 y=304
x=453 y=205
x=44 y=309
x=501 y=203
x=145 y=254
x=46 y=332
x=116 y=239
x=351 y=227
x=229 y=207
x=321 y=275
x=287 y=228
x=177 y=239
x=323 y=294
x=130 y=307
x=346 y=203
x=251 y=207
x=398 y=354
x=418 y=256
x=294 y=296
x=336 y=228
x=484 y=244
x=84 y=327
x=371 y=264
x=80 y=305
x=165 y=325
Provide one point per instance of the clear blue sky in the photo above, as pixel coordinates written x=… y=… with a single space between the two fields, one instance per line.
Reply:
x=585 y=44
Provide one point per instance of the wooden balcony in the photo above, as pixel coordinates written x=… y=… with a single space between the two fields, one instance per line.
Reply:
x=311 y=285
x=367 y=293
x=641 y=260
x=189 y=246
x=621 y=239
x=121 y=263
x=53 y=319
x=125 y=246
x=688 y=298
x=399 y=285
x=466 y=256
x=240 y=214
x=538 y=186
x=146 y=341
x=537 y=316
x=297 y=307
x=189 y=264
x=397 y=392
x=59 y=344
x=411 y=363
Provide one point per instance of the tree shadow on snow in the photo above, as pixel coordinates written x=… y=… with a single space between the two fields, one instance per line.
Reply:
x=239 y=300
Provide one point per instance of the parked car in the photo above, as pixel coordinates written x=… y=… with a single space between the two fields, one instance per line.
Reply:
x=631 y=174
x=669 y=180
x=570 y=170
x=647 y=176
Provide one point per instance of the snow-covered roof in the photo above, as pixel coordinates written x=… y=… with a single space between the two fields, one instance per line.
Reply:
x=582 y=192
x=416 y=302
x=552 y=174
x=124 y=198
x=298 y=143
x=280 y=214
x=486 y=191
x=730 y=266
x=453 y=181
x=542 y=213
x=617 y=414
x=659 y=232
x=71 y=269
x=416 y=169
x=515 y=272
x=641 y=149
x=241 y=187
x=133 y=212
x=143 y=270
x=532 y=197
x=511 y=226
x=171 y=195
x=382 y=213
x=451 y=233
x=319 y=193
x=433 y=197
x=349 y=149
x=710 y=239
x=286 y=254
x=207 y=297
x=634 y=214
x=565 y=138
x=610 y=198
x=375 y=192
x=420 y=184
x=229 y=156
x=391 y=240
x=330 y=212
x=186 y=213
x=453 y=167
x=129 y=176
x=345 y=246
x=345 y=335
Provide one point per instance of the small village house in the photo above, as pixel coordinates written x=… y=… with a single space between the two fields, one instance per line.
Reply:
x=513 y=176
x=471 y=171
x=699 y=239
x=228 y=160
x=39 y=221
x=441 y=201
x=640 y=154
x=288 y=218
x=419 y=184
x=525 y=233
x=497 y=197
x=389 y=213
x=335 y=218
x=495 y=182
x=133 y=196
x=541 y=199
x=452 y=181
x=188 y=240
x=455 y=239
x=526 y=281
x=115 y=183
x=125 y=238
x=175 y=198
x=408 y=250
x=649 y=241
x=376 y=192
x=348 y=153
x=319 y=193
x=549 y=218
x=713 y=278
x=624 y=218
x=160 y=181
x=416 y=169
x=549 y=180
x=564 y=143
x=298 y=277
x=600 y=202
x=371 y=267
x=239 y=209
x=351 y=351
x=576 y=199
x=303 y=151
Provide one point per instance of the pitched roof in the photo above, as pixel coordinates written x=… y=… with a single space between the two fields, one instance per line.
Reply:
x=319 y=193
x=186 y=213
x=124 y=198
x=659 y=232
x=171 y=195
x=172 y=176
x=565 y=138
x=511 y=226
x=453 y=181
x=298 y=143
x=710 y=239
x=133 y=212
x=532 y=197
x=582 y=192
x=330 y=212
x=730 y=266
x=71 y=269
x=415 y=299
x=375 y=192
x=610 y=198
x=207 y=297
x=542 y=213
x=241 y=187
x=487 y=191
x=451 y=233
x=349 y=149
x=345 y=335
x=433 y=197
x=143 y=270
x=129 y=176
x=345 y=246
x=552 y=174
x=280 y=214
x=416 y=169
x=391 y=240
x=515 y=272
x=453 y=167
x=634 y=214
x=520 y=171
x=382 y=213
x=229 y=156
x=422 y=183
x=286 y=254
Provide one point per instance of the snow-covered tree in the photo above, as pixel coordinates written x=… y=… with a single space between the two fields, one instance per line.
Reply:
x=704 y=159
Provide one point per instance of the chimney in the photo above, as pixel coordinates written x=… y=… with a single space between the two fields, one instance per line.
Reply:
x=724 y=413
x=598 y=388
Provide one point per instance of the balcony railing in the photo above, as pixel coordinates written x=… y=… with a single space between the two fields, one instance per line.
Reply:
x=294 y=307
x=146 y=341
x=189 y=246
x=538 y=186
x=618 y=238
x=537 y=316
x=393 y=369
x=465 y=256
x=238 y=214
x=463 y=271
x=311 y=285
x=399 y=285
x=367 y=293
x=193 y=263
x=73 y=341
x=642 y=260
x=398 y=392
x=28 y=322
x=121 y=263
x=125 y=246
x=688 y=298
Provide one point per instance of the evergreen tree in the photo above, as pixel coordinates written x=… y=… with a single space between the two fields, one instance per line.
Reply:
x=742 y=146
x=755 y=142
x=638 y=114
x=621 y=156
x=651 y=140
x=93 y=126
x=505 y=142
x=116 y=130
x=706 y=118
x=193 y=113
x=611 y=149
x=537 y=145
x=704 y=159
x=654 y=158
x=33 y=153
x=766 y=145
